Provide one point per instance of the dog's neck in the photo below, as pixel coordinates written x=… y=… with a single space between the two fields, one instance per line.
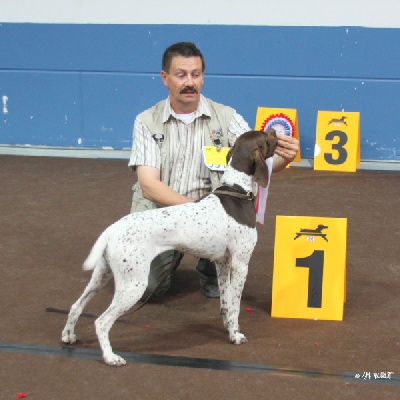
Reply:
x=232 y=177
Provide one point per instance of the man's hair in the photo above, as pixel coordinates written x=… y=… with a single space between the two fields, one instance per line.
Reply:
x=184 y=49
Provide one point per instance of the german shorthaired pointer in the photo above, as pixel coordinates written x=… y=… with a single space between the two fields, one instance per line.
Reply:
x=219 y=227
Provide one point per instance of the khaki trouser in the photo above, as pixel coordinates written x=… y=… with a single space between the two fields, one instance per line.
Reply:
x=162 y=268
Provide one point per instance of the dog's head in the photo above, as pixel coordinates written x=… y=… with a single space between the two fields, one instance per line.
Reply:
x=250 y=151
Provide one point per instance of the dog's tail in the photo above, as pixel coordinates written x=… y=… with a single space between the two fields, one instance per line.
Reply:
x=97 y=251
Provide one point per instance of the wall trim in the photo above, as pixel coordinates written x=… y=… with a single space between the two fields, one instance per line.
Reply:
x=42 y=151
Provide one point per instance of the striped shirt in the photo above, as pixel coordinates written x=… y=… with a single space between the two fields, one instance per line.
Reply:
x=188 y=173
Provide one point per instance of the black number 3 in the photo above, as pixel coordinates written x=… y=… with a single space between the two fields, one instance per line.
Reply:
x=342 y=152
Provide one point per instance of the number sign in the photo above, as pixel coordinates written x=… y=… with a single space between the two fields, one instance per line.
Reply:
x=309 y=268
x=337 y=144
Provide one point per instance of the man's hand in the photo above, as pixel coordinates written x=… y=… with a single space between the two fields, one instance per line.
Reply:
x=285 y=152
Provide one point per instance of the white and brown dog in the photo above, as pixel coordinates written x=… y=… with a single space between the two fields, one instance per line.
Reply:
x=219 y=227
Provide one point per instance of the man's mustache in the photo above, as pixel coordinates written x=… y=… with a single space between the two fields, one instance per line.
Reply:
x=188 y=89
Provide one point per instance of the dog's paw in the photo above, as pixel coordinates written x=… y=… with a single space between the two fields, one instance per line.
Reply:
x=114 y=360
x=238 y=338
x=68 y=337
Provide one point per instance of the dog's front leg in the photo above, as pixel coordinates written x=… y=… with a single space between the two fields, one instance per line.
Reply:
x=223 y=269
x=231 y=278
x=237 y=277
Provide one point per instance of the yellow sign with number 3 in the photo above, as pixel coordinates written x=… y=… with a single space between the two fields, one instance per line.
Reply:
x=337 y=144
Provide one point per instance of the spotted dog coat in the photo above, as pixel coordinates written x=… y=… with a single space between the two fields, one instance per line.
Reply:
x=219 y=227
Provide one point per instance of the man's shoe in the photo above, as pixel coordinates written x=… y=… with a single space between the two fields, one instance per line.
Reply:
x=211 y=290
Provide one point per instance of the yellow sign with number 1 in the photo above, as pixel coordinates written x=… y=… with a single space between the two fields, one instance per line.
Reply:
x=337 y=144
x=309 y=268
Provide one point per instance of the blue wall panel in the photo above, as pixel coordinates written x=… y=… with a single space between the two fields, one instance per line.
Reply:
x=110 y=104
x=82 y=85
x=44 y=108
x=379 y=138
x=242 y=50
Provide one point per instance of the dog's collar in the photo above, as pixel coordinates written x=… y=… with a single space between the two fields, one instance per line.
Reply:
x=235 y=191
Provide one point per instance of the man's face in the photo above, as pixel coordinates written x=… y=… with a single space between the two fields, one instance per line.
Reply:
x=184 y=81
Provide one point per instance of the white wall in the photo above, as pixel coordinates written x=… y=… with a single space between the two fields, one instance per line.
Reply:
x=366 y=13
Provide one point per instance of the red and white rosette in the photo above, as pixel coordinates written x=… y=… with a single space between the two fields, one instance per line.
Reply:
x=280 y=122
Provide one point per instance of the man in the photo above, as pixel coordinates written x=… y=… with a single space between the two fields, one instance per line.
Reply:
x=167 y=152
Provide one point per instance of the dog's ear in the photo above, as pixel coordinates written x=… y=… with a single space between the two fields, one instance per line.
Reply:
x=271 y=143
x=266 y=148
x=261 y=173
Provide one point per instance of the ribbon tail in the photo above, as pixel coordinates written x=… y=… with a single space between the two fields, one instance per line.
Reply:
x=262 y=195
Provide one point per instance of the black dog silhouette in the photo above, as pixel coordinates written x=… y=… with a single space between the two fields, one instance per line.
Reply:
x=312 y=232
x=338 y=120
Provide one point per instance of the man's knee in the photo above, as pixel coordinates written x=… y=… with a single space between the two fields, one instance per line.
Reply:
x=156 y=289
x=161 y=269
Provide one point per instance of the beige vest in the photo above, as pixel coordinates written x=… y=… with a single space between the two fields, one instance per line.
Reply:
x=221 y=117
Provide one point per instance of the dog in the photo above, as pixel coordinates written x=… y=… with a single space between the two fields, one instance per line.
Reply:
x=220 y=226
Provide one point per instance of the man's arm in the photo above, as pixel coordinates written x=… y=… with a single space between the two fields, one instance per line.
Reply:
x=155 y=190
x=145 y=157
x=285 y=152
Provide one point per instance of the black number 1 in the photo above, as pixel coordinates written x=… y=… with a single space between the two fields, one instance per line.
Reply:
x=316 y=264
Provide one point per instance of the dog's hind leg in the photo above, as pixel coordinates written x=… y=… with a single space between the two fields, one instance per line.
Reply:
x=127 y=294
x=100 y=276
